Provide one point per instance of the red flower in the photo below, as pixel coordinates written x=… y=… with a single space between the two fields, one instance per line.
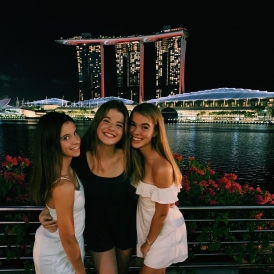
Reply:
x=8 y=158
x=213 y=184
x=263 y=199
x=14 y=162
x=185 y=184
x=231 y=176
x=196 y=170
x=258 y=189
x=26 y=162
x=211 y=172
x=258 y=215
x=5 y=163
x=251 y=189
x=178 y=157
x=212 y=192
x=203 y=183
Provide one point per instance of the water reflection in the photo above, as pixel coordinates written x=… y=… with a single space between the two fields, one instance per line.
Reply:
x=247 y=150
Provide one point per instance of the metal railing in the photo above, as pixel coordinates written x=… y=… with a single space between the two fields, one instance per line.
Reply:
x=200 y=258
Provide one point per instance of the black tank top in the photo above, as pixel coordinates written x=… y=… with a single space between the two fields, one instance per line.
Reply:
x=100 y=188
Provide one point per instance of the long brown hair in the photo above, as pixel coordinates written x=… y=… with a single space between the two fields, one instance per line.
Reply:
x=90 y=140
x=159 y=144
x=47 y=156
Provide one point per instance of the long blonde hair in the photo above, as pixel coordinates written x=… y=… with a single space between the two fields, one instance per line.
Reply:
x=159 y=144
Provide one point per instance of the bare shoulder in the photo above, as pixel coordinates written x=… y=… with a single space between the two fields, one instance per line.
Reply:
x=162 y=173
x=63 y=187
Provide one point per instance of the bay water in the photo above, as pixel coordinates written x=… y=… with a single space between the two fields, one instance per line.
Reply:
x=246 y=150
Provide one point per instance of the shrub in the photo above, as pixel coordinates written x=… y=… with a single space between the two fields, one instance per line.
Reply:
x=243 y=235
x=15 y=238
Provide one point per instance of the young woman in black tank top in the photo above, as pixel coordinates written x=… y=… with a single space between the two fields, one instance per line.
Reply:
x=104 y=167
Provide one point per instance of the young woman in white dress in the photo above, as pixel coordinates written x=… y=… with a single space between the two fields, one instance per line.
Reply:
x=54 y=183
x=161 y=230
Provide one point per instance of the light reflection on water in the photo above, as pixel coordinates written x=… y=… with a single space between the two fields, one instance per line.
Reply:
x=247 y=150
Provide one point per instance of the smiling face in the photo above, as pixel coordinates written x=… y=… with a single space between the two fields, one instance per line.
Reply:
x=110 y=129
x=141 y=131
x=69 y=140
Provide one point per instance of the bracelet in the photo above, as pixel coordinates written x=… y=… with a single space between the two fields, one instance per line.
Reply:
x=148 y=242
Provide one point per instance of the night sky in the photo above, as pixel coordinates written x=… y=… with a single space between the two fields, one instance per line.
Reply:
x=229 y=45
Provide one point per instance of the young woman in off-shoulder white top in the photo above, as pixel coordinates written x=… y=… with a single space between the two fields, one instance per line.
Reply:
x=161 y=230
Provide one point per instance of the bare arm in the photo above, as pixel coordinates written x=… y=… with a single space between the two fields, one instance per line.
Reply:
x=163 y=178
x=63 y=196
x=46 y=220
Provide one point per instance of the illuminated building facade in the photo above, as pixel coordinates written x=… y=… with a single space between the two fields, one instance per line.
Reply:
x=170 y=45
x=168 y=53
x=89 y=71
x=128 y=69
x=227 y=103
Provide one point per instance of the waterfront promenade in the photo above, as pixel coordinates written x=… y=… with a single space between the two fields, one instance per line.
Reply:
x=258 y=121
x=245 y=149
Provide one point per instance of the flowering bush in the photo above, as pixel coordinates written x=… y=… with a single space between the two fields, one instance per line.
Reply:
x=209 y=231
x=242 y=235
x=178 y=158
x=203 y=186
x=13 y=187
x=15 y=237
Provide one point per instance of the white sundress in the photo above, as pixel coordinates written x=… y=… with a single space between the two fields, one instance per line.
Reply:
x=171 y=244
x=48 y=253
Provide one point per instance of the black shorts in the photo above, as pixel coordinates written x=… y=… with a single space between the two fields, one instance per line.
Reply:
x=111 y=225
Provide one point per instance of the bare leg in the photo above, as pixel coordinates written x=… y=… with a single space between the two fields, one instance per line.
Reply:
x=105 y=262
x=123 y=260
x=148 y=270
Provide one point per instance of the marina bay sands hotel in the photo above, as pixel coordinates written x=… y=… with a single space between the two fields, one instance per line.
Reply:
x=170 y=48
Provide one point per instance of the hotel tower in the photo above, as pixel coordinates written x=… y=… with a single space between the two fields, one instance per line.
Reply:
x=170 y=46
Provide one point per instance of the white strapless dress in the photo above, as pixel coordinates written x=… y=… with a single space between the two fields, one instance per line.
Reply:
x=171 y=244
x=48 y=253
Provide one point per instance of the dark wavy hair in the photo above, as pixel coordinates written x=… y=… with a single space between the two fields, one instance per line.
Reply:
x=47 y=156
x=90 y=140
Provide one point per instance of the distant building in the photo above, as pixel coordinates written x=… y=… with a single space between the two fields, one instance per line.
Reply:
x=168 y=54
x=128 y=69
x=231 y=101
x=170 y=45
x=89 y=71
x=4 y=102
